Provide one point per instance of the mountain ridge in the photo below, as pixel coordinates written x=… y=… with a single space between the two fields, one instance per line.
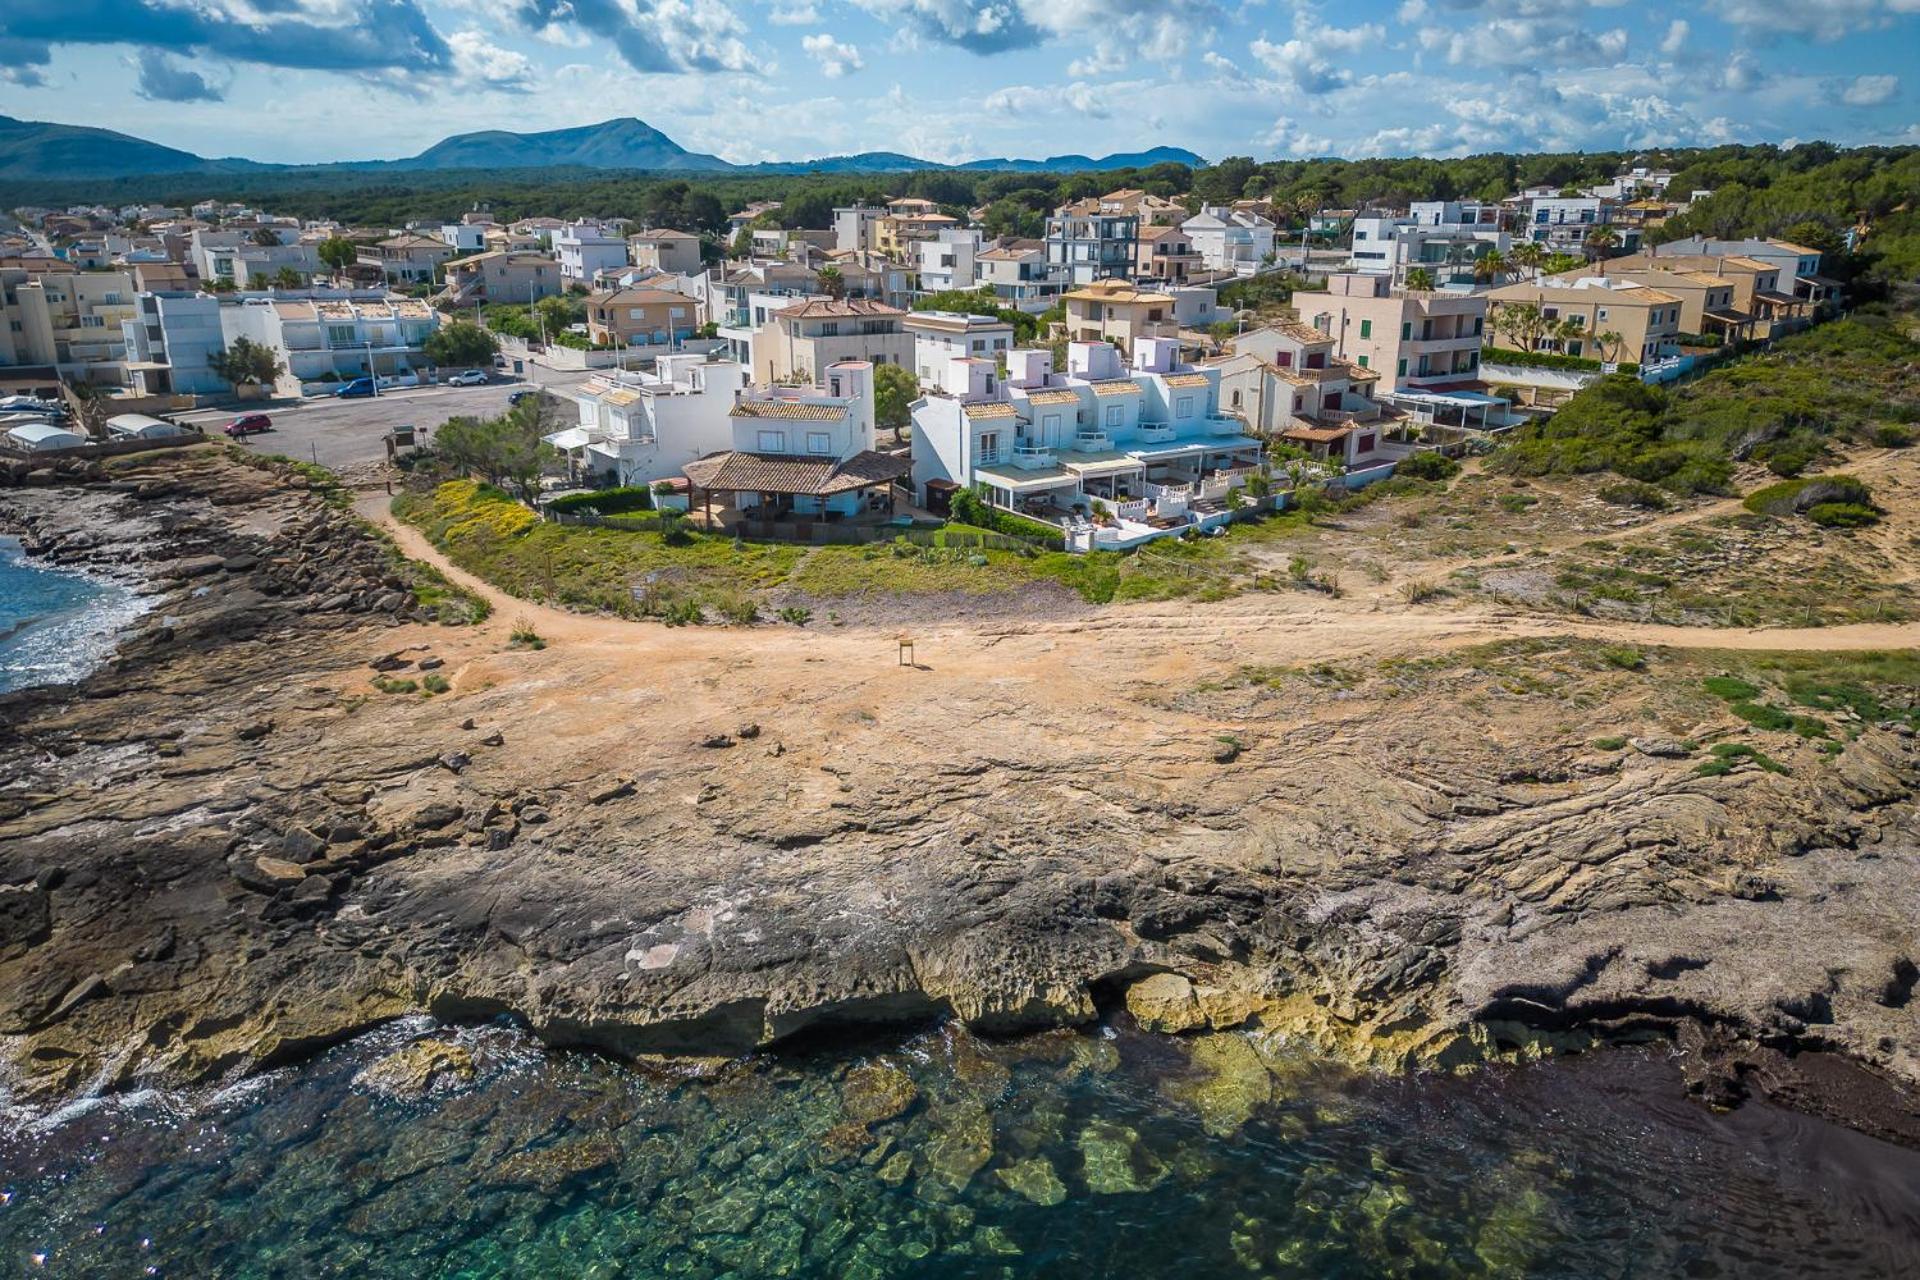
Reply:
x=32 y=150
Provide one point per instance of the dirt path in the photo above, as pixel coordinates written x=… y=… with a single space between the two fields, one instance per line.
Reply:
x=1122 y=642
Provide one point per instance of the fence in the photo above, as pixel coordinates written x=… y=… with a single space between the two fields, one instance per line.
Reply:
x=104 y=448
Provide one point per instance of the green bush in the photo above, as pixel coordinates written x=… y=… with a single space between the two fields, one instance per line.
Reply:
x=1635 y=493
x=1728 y=754
x=1427 y=465
x=1537 y=360
x=605 y=501
x=1795 y=497
x=1842 y=515
x=1730 y=688
x=1762 y=716
x=1893 y=437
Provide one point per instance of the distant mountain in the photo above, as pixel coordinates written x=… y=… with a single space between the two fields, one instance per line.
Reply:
x=32 y=150
x=625 y=143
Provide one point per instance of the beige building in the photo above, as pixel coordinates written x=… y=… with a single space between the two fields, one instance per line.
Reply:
x=1706 y=301
x=1414 y=340
x=1645 y=318
x=1284 y=381
x=68 y=319
x=666 y=250
x=799 y=342
x=639 y=316
x=906 y=223
x=1756 y=286
x=1118 y=311
x=1165 y=254
x=502 y=277
x=408 y=258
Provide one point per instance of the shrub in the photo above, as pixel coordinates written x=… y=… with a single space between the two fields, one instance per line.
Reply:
x=798 y=615
x=606 y=501
x=1428 y=465
x=1624 y=659
x=434 y=682
x=1892 y=437
x=1842 y=515
x=1538 y=360
x=1421 y=592
x=1762 y=716
x=1608 y=744
x=1795 y=497
x=1635 y=493
x=1728 y=754
x=524 y=636
x=1730 y=688
x=739 y=609
x=682 y=613
x=1515 y=503
x=387 y=685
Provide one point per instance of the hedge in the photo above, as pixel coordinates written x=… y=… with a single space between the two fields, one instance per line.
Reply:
x=606 y=501
x=1548 y=360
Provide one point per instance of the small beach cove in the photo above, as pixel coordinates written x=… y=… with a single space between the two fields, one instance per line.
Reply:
x=56 y=623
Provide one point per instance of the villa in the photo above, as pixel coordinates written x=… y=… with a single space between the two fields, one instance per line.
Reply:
x=1115 y=455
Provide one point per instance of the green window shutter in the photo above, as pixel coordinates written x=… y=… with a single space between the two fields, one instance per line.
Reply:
x=1401 y=372
x=1363 y=362
x=1406 y=331
x=1366 y=328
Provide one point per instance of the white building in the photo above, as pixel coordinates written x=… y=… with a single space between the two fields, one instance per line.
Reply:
x=1114 y=455
x=1228 y=239
x=1020 y=275
x=947 y=262
x=587 y=248
x=466 y=237
x=1391 y=245
x=853 y=227
x=638 y=427
x=335 y=335
x=170 y=343
x=941 y=337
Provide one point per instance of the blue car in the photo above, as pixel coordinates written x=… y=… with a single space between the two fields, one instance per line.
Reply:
x=358 y=387
x=525 y=393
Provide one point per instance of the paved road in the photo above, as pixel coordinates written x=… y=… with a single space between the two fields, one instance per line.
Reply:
x=343 y=433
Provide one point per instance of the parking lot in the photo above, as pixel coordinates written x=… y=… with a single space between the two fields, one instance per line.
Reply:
x=344 y=433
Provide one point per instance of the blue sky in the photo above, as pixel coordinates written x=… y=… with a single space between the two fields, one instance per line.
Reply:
x=315 y=80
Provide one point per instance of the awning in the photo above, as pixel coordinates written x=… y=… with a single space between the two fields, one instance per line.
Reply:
x=570 y=439
x=1780 y=299
x=1729 y=317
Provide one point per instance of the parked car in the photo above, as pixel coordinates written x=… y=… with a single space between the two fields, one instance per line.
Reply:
x=249 y=424
x=358 y=387
x=468 y=378
x=500 y=362
x=525 y=393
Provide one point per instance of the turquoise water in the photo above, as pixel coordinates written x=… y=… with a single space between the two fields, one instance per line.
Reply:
x=1086 y=1154
x=55 y=624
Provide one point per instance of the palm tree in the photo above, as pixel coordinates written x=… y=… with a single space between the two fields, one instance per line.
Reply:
x=1609 y=345
x=832 y=283
x=1601 y=242
x=1528 y=256
x=1567 y=331
x=1420 y=280
x=1490 y=267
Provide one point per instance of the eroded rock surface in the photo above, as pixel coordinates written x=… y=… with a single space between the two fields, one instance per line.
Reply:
x=233 y=847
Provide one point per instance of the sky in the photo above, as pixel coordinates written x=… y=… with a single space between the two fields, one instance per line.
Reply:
x=306 y=81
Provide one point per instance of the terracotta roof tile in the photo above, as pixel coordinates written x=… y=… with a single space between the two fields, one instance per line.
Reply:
x=989 y=409
x=793 y=473
x=1116 y=387
x=1054 y=396
x=792 y=410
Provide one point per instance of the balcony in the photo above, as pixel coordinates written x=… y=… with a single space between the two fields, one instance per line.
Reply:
x=1156 y=433
x=1033 y=458
x=989 y=457
x=1217 y=426
x=1088 y=440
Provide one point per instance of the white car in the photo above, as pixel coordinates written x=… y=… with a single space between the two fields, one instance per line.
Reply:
x=468 y=378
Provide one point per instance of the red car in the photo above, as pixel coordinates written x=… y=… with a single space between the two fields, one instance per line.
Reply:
x=248 y=424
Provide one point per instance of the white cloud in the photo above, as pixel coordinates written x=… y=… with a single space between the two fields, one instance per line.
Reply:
x=478 y=61
x=1306 y=61
x=1676 y=37
x=835 y=59
x=1106 y=58
x=1823 y=20
x=1870 y=91
x=794 y=15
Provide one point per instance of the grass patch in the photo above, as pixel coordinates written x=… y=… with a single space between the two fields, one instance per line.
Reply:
x=434 y=682
x=1624 y=659
x=1727 y=755
x=1730 y=688
x=1608 y=744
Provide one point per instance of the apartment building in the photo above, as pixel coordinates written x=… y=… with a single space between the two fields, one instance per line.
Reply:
x=640 y=316
x=502 y=277
x=1410 y=339
x=906 y=223
x=1228 y=239
x=329 y=335
x=408 y=258
x=1120 y=312
x=1756 y=285
x=1084 y=245
x=853 y=227
x=801 y=340
x=1562 y=223
x=1285 y=382
x=641 y=426
x=1166 y=255
x=1020 y=275
x=1643 y=319
x=70 y=320
x=1706 y=301
x=171 y=341
x=942 y=337
x=666 y=250
x=1115 y=452
x=584 y=249
x=947 y=261
x=1799 y=266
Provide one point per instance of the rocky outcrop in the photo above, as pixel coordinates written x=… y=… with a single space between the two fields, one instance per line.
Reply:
x=235 y=847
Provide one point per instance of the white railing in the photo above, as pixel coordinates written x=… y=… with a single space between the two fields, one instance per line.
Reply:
x=1156 y=433
x=990 y=457
x=1029 y=458
x=1132 y=509
x=1224 y=426
x=1092 y=441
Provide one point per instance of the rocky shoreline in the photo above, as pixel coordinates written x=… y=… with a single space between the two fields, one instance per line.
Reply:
x=244 y=840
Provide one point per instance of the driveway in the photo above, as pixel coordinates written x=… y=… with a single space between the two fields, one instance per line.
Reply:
x=344 y=433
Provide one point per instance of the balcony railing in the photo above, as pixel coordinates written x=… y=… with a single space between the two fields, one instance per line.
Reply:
x=989 y=457
x=1032 y=458
x=1156 y=433
x=1217 y=426
x=1091 y=441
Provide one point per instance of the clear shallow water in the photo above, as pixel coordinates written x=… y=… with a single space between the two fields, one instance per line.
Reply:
x=55 y=624
x=1064 y=1155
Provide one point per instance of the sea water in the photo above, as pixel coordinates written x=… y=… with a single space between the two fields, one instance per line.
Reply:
x=1093 y=1153
x=56 y=624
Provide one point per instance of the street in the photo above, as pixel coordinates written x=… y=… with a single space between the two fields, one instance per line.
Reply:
x=344 y=433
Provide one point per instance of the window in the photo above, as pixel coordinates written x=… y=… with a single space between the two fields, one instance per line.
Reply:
x=773 y=442
x=1479 y=324
x=1364 y=364
x=1601 y=314
x=1400 y=371
x=1183 y=407
x=1113 y=415
x=1573 y=348
x=1235 y=401
x=989 y=446
x=1366 y=329
x=830 y=329
x=819 y=442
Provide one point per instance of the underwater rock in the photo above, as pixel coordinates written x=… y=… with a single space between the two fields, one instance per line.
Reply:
x=962 y=1143
x=1234 y=1082
x=1114 y=1162
x=877 y=1092
x=1035 y=1179
x=896 y=1170
x=547 y=1169
x=411 y=1071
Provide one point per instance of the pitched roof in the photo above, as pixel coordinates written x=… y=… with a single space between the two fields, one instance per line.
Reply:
x=1187 y=379
x=989 y=409
x=1116 y=387
x=830 y=308
x=794 y=410
x=1118 y=291
x=638 y=296
x=1054 y=396
x=793 y=473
